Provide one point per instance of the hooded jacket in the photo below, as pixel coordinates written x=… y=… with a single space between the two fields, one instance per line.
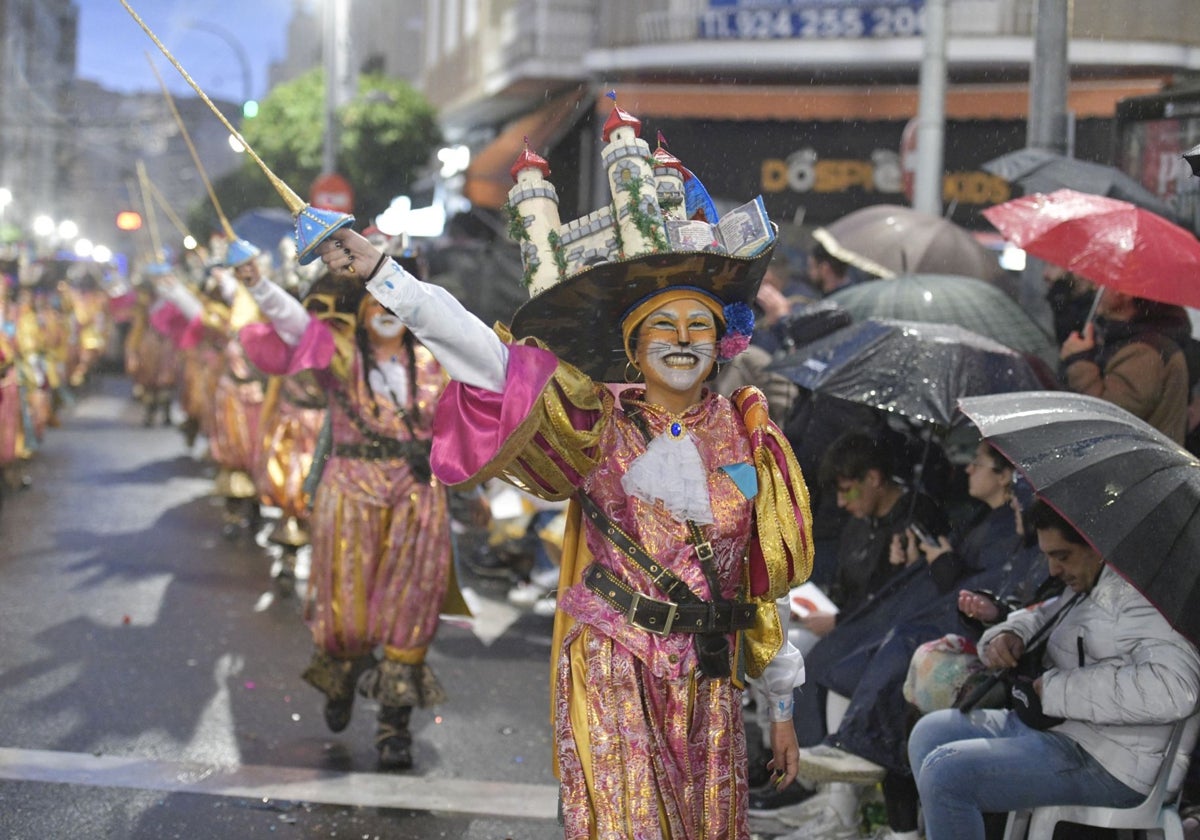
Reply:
x=1140 y=365
x=1137 y=677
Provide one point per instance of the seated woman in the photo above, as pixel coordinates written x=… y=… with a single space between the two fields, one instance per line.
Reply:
x=1092 y=728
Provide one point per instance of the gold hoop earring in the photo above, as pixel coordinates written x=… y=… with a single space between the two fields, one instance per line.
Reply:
x=636 y=376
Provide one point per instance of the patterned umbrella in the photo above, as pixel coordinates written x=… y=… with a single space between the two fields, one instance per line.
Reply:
x=917 y=370
x=942 y=298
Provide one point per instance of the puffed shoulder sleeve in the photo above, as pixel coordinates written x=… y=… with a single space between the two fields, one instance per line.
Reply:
x=541 y=432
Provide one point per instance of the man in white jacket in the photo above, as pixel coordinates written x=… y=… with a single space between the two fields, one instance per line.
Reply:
x=1093 y=726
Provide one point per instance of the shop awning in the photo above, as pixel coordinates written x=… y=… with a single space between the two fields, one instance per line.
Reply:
x=488 y=178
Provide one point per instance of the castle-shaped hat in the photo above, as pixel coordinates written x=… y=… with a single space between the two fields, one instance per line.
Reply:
x=660 y=230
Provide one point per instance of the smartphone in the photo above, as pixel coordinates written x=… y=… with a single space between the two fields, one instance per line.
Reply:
x=923 y=535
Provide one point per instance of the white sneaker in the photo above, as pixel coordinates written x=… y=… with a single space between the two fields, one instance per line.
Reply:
x=545 y=578
x=547 y=605
x=824 y=825
x=525 y=594
x=839 y=798
x=830 y=764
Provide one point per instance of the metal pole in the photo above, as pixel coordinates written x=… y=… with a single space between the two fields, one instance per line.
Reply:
x=1049 y=77
x=931 y=112
x=338 y=79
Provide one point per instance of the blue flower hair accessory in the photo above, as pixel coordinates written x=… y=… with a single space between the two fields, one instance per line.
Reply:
x=739 y=325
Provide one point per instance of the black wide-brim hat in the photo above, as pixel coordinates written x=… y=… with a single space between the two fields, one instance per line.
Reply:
x=579 y=319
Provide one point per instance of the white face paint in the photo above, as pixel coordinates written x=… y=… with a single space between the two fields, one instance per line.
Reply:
x=386 y=325
x=677 y=346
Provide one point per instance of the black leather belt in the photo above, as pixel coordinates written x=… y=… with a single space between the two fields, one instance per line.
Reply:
x=663 y=617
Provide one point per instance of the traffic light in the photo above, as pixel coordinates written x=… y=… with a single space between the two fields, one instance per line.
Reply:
x=250 y=109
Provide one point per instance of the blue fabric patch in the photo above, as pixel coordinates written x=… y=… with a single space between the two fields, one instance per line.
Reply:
x=745 y=477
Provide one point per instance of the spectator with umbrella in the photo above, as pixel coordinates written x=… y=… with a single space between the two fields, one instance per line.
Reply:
x=1144 y=264
x=1090 y=729
x=1134 y=357
x=1120 y=523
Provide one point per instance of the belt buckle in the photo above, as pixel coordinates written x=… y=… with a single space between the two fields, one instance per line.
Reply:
x=638 y=597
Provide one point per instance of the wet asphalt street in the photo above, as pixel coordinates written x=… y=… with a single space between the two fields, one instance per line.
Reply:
x=149 y=672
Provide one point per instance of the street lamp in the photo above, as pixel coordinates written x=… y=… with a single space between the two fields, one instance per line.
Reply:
x=249 y=105
x=44 y=226
x=240 y=51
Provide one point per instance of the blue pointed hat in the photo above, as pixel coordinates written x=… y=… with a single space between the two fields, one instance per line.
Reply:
x=313 y=226
x=240 y=252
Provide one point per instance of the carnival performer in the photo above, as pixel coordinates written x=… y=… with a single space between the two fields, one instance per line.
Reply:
x=688 y=516
x=11 y=432
x=381 y=552
x=237 y=407
x=203 y=360
x=294 y=410
x=151 y=352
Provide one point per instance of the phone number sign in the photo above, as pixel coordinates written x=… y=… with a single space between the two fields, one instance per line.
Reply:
x=821 y=20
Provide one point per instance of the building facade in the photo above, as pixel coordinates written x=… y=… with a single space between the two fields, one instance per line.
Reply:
x=38 y=40
x=804 y=101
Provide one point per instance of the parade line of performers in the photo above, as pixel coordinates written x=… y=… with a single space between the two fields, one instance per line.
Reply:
x=56 y=320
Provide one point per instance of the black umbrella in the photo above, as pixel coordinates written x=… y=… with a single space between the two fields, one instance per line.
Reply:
x=1042 y=171
x=1130 y=490
x=916 y=370
x=1192 y=156
x=812 y=321
x=949 y=299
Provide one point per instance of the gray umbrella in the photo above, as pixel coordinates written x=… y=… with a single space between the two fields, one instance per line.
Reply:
x=1192 y=156
x=1042 y=171
x=1130 y=490
x=948 y=299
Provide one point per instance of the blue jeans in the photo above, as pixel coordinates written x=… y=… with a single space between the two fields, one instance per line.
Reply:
x=990 y=761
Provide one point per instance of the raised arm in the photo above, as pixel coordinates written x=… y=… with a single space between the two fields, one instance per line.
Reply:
x=287 y=315
x=464 y=346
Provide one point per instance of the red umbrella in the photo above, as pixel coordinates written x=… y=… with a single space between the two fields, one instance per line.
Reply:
x=1110 y=242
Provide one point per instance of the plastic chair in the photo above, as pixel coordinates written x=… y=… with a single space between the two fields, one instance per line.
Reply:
x=1155 y=814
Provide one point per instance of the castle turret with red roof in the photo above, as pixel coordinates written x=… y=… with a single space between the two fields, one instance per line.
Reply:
x=669 y=175
x=631 y=177
x=533 y=220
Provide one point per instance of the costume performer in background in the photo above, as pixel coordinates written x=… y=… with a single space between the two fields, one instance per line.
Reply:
x=237 y=407
x=381 y=551
x=688 y=516
x=151 y=353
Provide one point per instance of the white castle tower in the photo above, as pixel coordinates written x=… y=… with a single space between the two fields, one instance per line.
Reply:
x=632 y=225
x=631 y=178
x=533 y=221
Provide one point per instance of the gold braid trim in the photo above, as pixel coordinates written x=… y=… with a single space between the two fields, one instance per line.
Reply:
x=783 y=520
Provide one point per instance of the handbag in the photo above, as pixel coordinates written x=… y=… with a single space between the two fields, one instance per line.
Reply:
x=1018 y=682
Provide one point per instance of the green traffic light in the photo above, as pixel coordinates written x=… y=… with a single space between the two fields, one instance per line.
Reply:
x=250 y=109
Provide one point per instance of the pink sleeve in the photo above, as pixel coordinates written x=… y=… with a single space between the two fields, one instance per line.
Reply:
x=473 y=426
x=270 y=354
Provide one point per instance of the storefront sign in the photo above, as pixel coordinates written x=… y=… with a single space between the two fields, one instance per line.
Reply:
x=812 y=19
x=820 y=171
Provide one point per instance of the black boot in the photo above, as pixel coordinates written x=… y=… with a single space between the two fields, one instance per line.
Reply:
x=336 y=679
x=392 y=738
